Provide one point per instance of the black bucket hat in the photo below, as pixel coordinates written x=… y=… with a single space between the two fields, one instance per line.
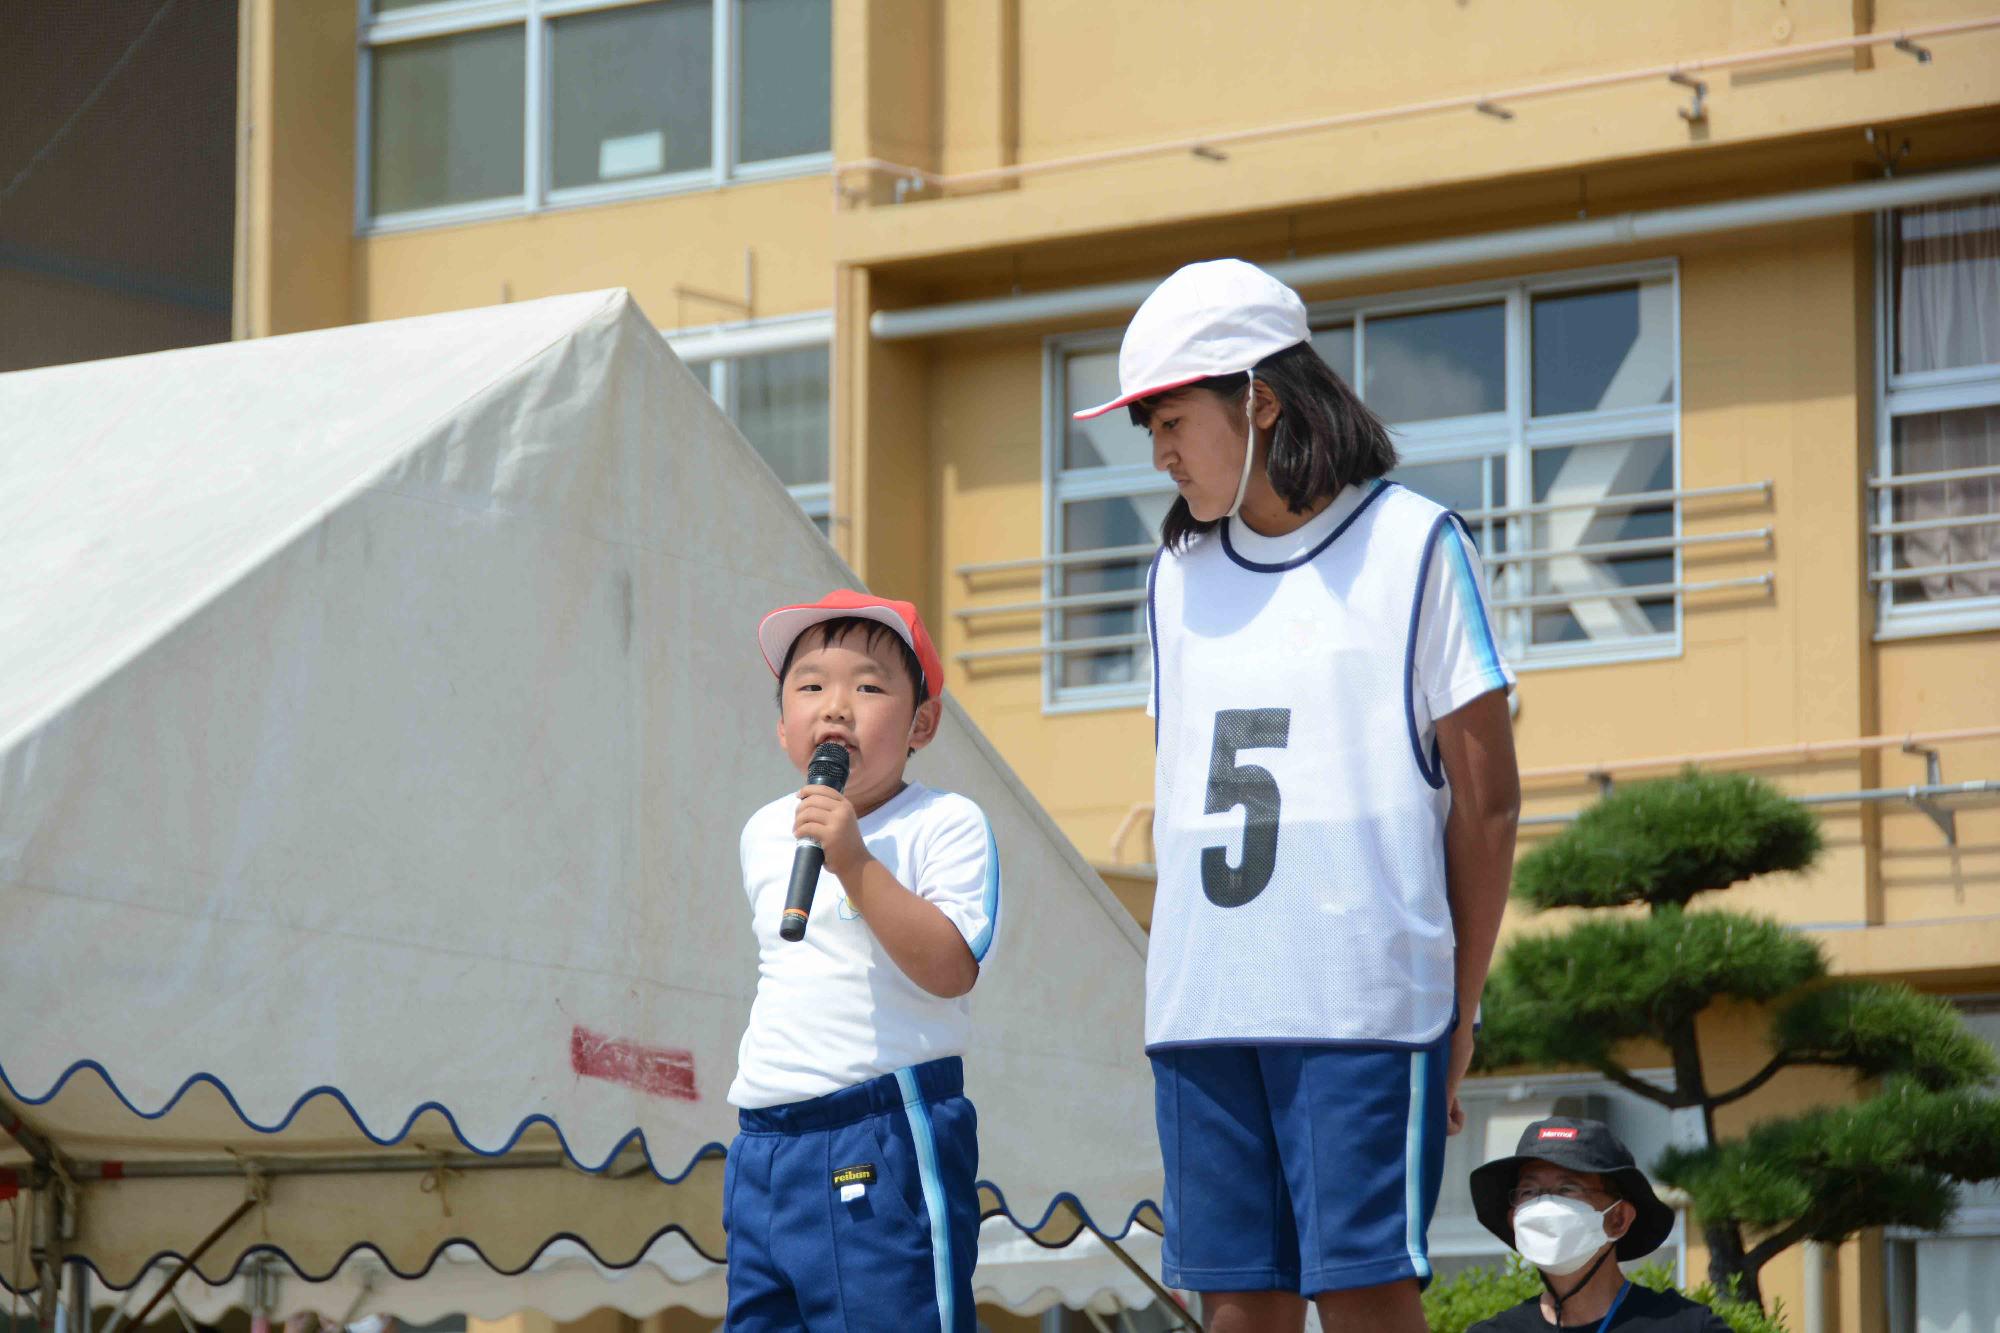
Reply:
x=1574 y=1145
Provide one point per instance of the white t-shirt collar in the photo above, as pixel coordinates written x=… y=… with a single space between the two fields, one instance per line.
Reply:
x=1289 y=546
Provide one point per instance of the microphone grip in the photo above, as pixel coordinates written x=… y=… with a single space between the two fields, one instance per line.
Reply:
x=806 y=863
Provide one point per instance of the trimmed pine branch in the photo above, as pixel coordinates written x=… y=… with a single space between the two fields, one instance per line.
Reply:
x=1663 y=842
x=1879 y=1029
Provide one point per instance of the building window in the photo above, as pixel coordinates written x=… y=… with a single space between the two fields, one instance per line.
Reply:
x=1545 y=411
x=1935 y=524
x=483 y=110
x=773 y=380
x=1496 y=1111
x=1942 y=1282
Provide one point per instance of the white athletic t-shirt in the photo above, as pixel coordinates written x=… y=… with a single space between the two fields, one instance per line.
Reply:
x=833 y=1009
x=1300 y=801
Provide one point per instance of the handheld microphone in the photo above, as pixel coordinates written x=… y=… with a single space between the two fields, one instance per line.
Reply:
x=827 y=769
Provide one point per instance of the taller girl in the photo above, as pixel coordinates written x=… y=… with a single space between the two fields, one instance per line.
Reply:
x=1335 y=807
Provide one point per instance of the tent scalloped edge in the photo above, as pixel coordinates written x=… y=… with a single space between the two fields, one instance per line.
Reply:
x=638 y=1135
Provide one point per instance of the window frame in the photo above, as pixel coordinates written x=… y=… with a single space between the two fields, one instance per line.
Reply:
x=449 y=18
x=721 y=346
x=1917 y=393
x=1513 y=432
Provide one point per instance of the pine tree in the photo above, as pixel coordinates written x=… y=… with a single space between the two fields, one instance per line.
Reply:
x=1926 y=1120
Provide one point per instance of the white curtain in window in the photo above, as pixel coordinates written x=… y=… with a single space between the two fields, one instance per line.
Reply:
x=1955 y=1288
x=1948 y=317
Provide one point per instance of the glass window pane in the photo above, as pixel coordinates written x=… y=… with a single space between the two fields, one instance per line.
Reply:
x=445 y=120
x=1090 y=378
x=1467 y=485
x=1335 y=345
x=1088 y=525
x=1441 y=363
x=1604 y=349
x=631 y=92
x=1947 y=267
x=1593 y=472
x=784 y=98
x=1939 y=442
x=781 y=408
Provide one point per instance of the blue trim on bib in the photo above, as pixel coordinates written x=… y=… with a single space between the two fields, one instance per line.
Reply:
x=1381 y=485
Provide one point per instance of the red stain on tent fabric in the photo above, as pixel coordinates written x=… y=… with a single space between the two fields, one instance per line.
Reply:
x=655 y=1070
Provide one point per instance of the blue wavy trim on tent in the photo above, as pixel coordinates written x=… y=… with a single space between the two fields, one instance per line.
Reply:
x=1089 y=1224
x=636 y=1135
x=257 y=1251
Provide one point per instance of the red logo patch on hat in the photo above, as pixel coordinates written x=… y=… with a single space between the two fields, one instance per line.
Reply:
x=1557 y=1134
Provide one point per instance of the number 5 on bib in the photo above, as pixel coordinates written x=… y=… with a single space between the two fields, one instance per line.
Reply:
x=1251 y=786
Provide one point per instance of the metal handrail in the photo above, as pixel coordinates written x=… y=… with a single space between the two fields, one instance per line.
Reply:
x=1111 y=555
x=1633 y=590
x=1927 y=478
x=1629 y=500
x=1932 y=571
x=1933 y=524
x=1120 y=597
x=1104 y=555
x=1922 y=791
x=1630 y=546
x=1052 y=649
x=1803 y=750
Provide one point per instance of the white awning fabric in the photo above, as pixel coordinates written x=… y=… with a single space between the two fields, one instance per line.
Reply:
x=378 y=711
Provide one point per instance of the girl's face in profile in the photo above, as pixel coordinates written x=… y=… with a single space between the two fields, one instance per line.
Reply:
x=1198 y=440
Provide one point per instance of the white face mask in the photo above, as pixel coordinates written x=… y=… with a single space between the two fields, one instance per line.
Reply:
x=1559 y=1235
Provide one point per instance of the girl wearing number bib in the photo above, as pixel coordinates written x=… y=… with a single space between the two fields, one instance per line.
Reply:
x=1333 y=820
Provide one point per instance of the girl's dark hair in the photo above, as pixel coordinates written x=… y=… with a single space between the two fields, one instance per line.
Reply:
x=1325 y=438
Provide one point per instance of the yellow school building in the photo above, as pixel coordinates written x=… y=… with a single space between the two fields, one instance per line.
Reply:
x=1692 y=309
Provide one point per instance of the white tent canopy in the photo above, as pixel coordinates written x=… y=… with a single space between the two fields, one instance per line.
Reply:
x=378 y=711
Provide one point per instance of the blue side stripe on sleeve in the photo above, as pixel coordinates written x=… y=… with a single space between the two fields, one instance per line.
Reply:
x=1475 y=606
x=990 y=898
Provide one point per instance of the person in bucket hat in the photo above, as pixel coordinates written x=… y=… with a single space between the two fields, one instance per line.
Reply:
x=1335 y=798
x=1574 y=1204
x=850 y=1196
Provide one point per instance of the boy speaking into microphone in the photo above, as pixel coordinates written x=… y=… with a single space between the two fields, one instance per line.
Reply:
x=850 y=1196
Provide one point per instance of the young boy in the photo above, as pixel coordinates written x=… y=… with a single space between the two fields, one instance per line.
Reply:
x=849 y=1195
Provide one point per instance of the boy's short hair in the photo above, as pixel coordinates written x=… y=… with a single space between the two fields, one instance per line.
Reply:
x=874 y=633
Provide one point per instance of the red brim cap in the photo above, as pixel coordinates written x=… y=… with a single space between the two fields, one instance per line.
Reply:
x=1127 y=399
x=782 y=627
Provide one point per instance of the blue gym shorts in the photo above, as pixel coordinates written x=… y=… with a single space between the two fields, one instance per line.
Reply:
x=1299 y=1168
x=856 y=1210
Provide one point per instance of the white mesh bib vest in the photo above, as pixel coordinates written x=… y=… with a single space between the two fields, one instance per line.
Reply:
x=1300 y=805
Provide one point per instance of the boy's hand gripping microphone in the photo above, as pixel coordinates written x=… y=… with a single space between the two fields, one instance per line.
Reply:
x=827 y=769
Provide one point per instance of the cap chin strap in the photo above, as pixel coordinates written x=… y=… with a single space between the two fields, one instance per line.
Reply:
x=1249 y=445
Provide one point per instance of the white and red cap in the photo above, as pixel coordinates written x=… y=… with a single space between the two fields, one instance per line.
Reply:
x=1216 y=318
x=780 y=629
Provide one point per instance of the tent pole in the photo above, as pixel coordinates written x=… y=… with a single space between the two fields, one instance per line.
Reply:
x=1165 y=1297
x=77 y=1290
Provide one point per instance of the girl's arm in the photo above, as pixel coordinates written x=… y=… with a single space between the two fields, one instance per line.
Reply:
x=1477 y=746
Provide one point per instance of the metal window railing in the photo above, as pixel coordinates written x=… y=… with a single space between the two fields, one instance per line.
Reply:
x=1883 y=569
x=1132 y=597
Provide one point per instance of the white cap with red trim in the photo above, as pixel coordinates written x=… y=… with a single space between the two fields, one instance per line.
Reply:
x=777 y=631
x=1216 y=318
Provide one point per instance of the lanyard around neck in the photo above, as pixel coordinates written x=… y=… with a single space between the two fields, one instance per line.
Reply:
x=1604 y=1325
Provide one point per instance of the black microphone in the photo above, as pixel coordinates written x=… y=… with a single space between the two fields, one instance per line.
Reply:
x=827 y=769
